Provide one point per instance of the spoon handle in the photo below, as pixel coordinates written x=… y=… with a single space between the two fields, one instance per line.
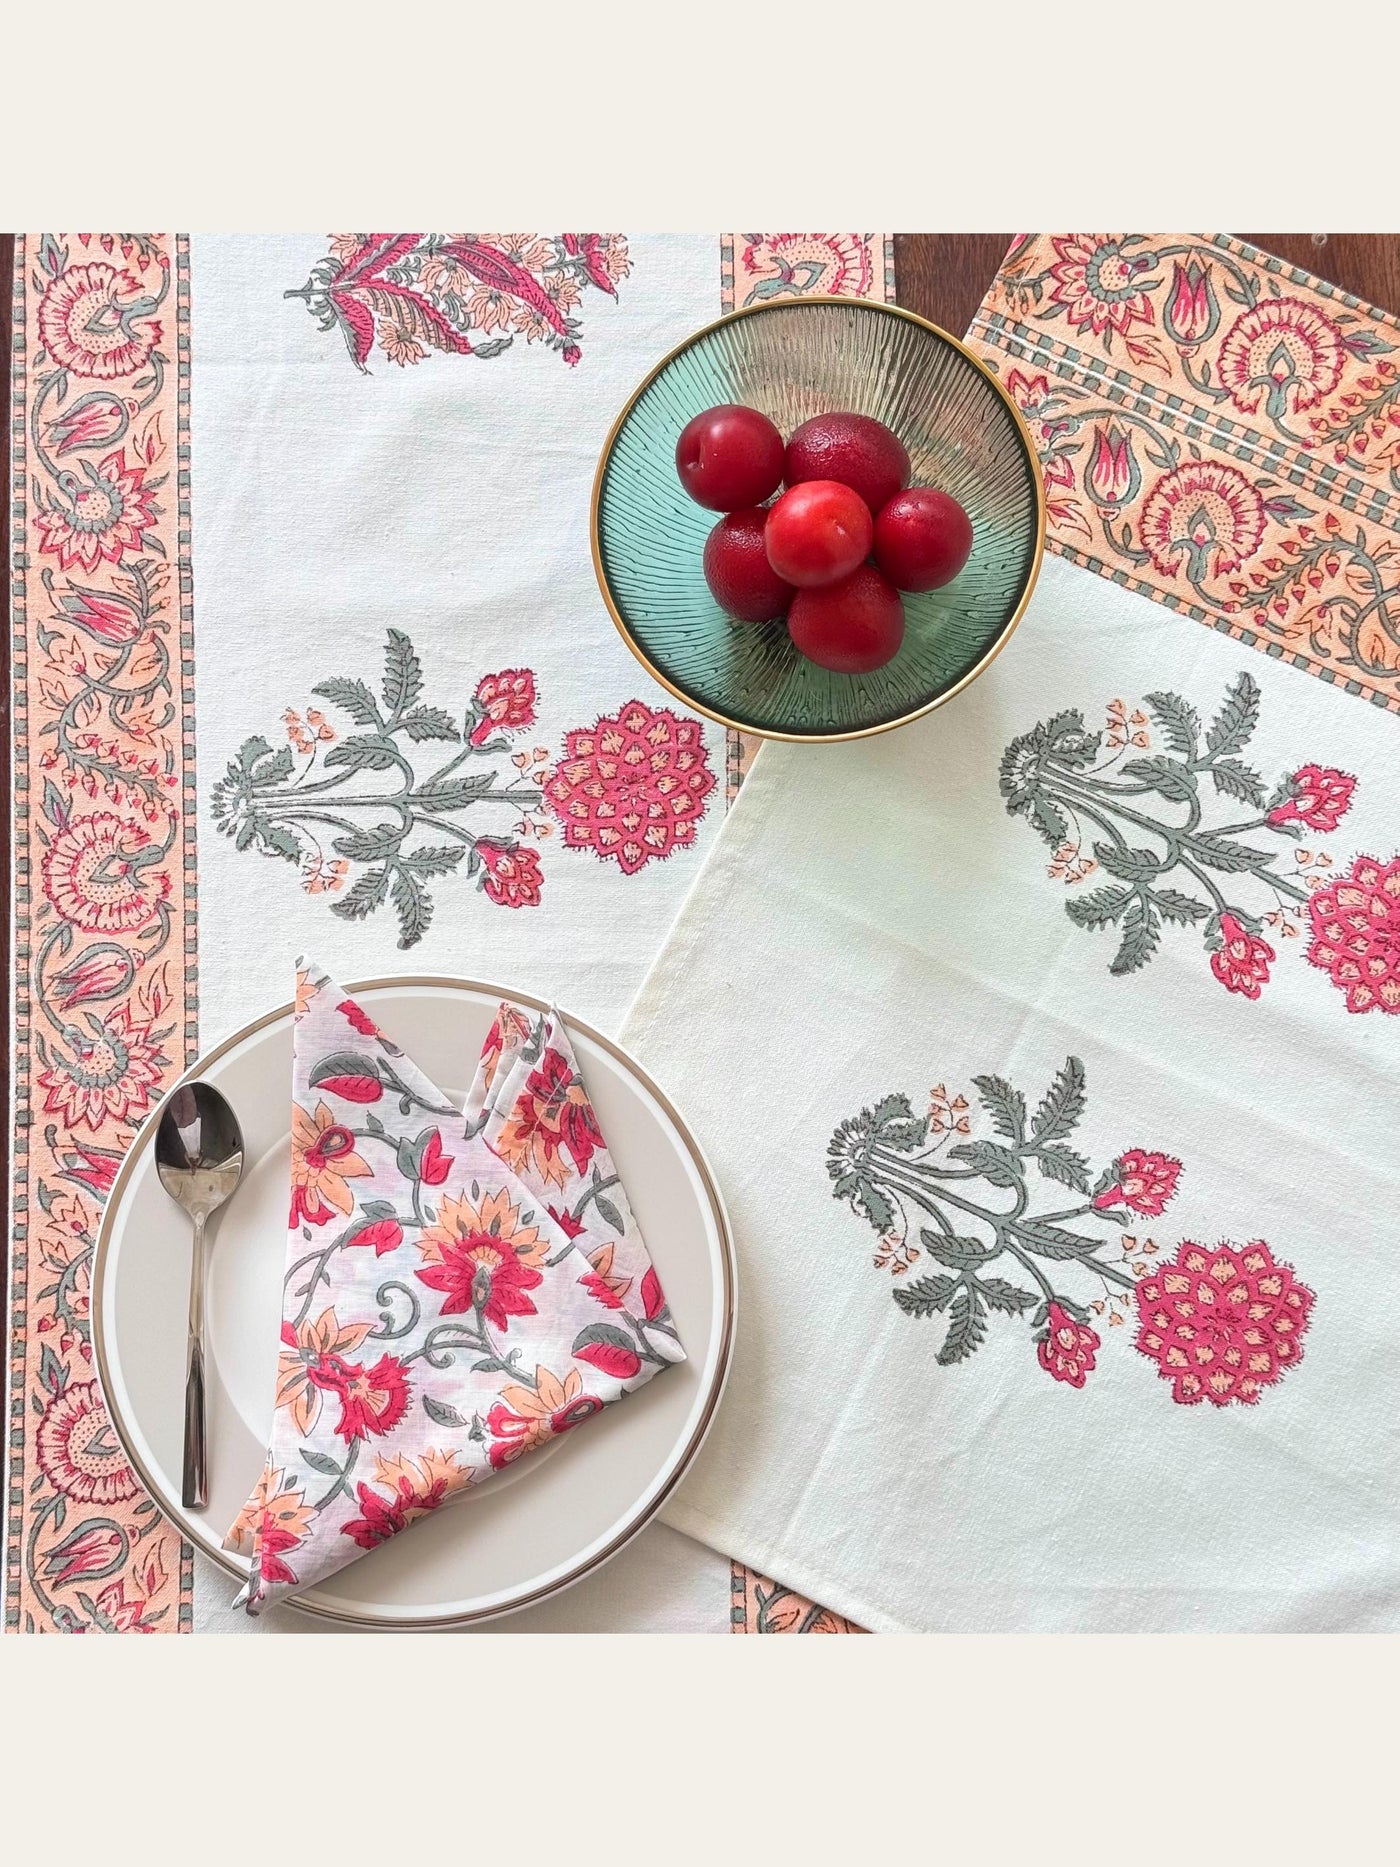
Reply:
x=194 y=1487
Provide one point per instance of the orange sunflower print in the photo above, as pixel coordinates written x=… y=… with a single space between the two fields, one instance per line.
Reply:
x=305 y=1347
x=323 y=1159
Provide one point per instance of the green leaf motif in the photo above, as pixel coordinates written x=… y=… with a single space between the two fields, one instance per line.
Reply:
x=1178 y=721
x=1049 y=820
x=1062 y=1104
x=998 y=1294
x=1005 y=1105
x=996 y=1164
x=364 y=897
x=363 y=752
x=957 y=1253
x=608 y=1212
x=1130 y=865
x=1063 y=1164
x=1167 y=776
x=430 y=723
x=925 y=1295
x=441 y=1414
x=1174 y=906
x=1099 y=909
x=342 y=1063
x=1051 y=1241
x=1221 y=852
x=1238 y=780
x=403 y=673
x=322 y=1462
x=967 y=1328
x=413 y=906
x=1234 y=725
x=444 y=794
x=1142 y=930
x=370 y=845
x=353 y=697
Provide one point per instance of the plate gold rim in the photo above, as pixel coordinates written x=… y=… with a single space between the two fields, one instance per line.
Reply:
x=419 y=1623
x=860 y=732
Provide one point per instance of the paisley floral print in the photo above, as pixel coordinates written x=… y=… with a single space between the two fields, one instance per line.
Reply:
x=1216 y=430
x=436 y=1318
x=465 y=294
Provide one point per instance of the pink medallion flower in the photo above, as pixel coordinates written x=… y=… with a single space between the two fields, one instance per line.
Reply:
x=1321 y=798
x=507 y=702
x=633 y=787
x=1204 y=513
x=1355 y=923
x=95 y=877
x=100 y=518
x=93 y=321
x=1096 y=281
x=512 y=876
x=1144 y=1182
x=77 y=1450
x=1242 y=963
x=1068 y=1348
x=1222 y=1324
x=1285 y=354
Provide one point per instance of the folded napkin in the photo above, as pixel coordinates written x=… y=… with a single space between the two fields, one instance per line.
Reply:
x=455 y=1295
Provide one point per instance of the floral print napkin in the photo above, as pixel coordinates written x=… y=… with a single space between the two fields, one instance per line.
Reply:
x=459 y=1290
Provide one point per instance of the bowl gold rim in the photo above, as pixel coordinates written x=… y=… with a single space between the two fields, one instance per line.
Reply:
x=860 y=732
x=237 y=1568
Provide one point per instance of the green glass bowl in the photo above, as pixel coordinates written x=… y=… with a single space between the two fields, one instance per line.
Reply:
x=795 y=359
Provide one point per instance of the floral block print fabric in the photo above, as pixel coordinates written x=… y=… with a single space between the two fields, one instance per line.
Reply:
x=1218 y=430
x=455 y=1296
x=106 y=1000
x=1075 y=1066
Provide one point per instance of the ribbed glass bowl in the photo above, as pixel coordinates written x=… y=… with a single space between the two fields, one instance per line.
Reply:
x=794 y=360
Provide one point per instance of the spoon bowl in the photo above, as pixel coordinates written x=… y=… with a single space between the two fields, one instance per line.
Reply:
x=199 y=1159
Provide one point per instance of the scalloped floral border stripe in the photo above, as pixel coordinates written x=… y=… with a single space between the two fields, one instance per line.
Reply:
x=104 y=823
x=759 y=1605
x=1218 y=431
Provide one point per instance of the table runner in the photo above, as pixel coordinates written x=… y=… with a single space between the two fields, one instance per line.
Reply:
x=1069 y=1017
x=299 y=521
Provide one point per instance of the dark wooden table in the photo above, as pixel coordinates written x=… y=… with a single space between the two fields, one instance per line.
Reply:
x=943 y=276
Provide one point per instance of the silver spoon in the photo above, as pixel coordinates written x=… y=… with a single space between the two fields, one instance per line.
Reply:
x=199 y=1157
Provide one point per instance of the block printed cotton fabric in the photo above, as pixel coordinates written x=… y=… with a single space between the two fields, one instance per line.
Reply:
x=460 y=1290
x=308 y=654
x=1086 y=1036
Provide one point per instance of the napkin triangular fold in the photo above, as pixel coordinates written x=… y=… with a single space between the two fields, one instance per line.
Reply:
x=460 y=1288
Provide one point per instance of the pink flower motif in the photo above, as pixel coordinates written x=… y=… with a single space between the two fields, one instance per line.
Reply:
x=1355 y=923
x=1206 y=513
x=837 y=264
x=1285 y=354
x=357 y=1018
x=106 y=513
x=77 y=1450
x=1191 y=314
x=1321 y=798
x=94 y=321
x=1144 y=1182
x=98 y=973
x=1113 y=471
x=1222 y=1324
x=1067 y=1349
x=1096 y=282
x=1242 y=963
x=507 y=702
x=633 y=787
x=512 y=876
x=95 y=877
x=94 y=418
x=113 y=1069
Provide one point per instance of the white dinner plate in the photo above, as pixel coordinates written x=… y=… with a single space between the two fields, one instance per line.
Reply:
x=538 y=1527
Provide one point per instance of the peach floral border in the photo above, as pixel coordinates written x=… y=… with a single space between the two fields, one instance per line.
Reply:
x=104 y=826
x=756 y=267
x=761 y=1606
x=1218 y=431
